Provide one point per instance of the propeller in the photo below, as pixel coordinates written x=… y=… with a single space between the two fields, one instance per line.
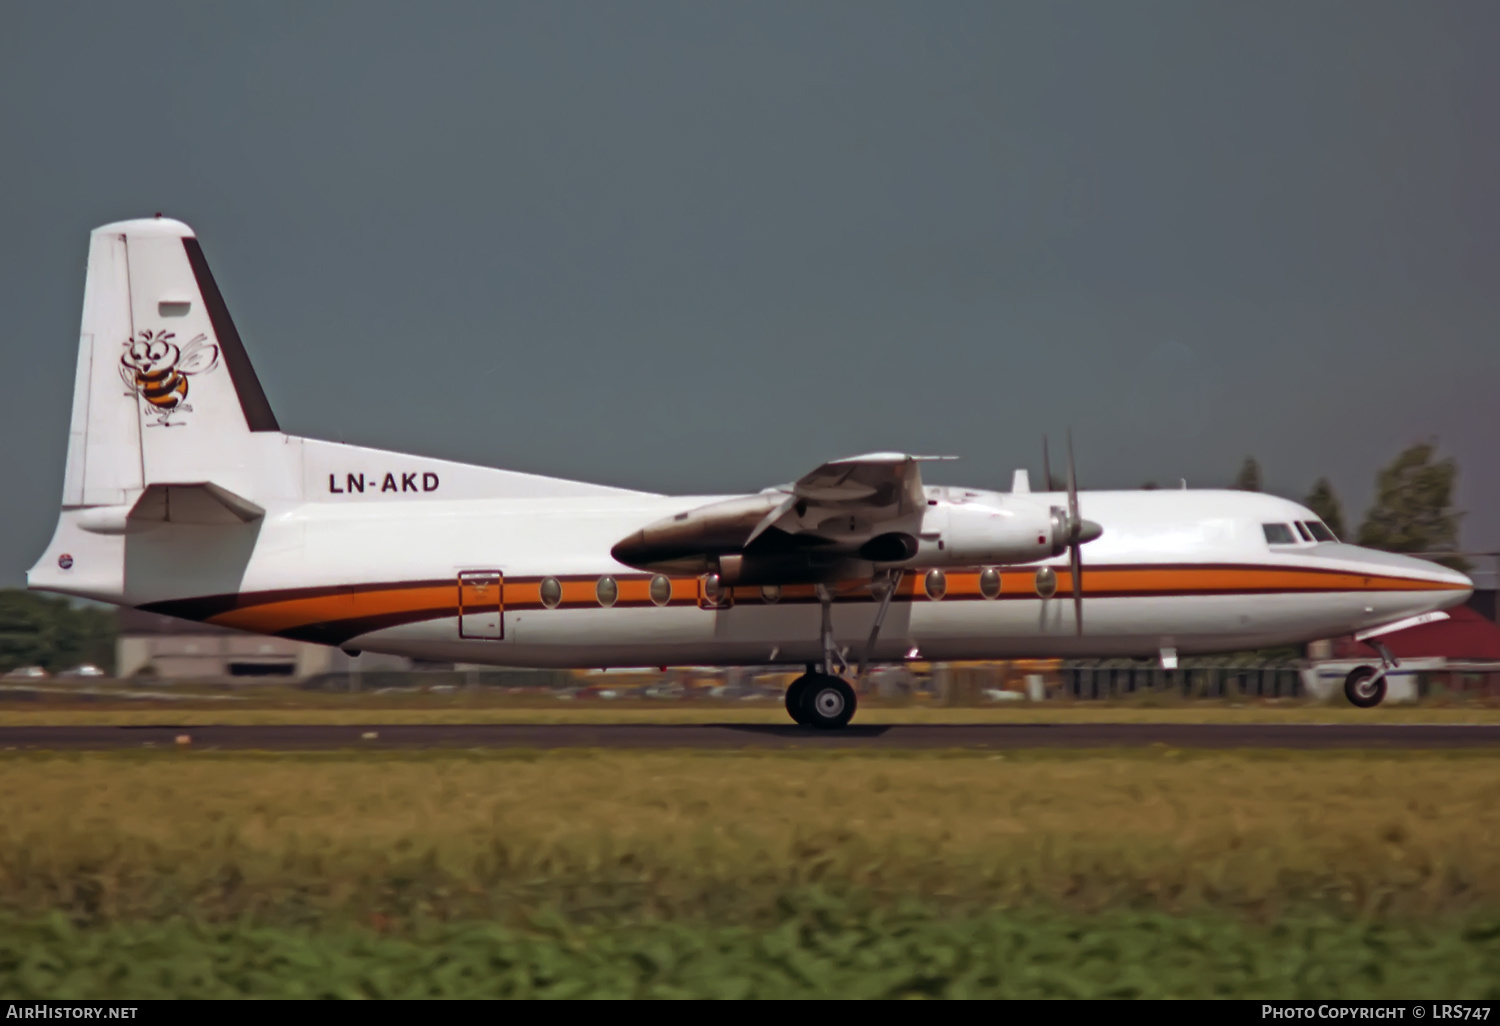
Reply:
x=1077 y=529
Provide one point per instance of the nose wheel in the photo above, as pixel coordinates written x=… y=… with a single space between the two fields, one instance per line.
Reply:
x=1365 y=686
x=821 y=700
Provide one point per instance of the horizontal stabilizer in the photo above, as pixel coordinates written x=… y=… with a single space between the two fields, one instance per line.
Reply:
x=205 y=503
x=199 y=503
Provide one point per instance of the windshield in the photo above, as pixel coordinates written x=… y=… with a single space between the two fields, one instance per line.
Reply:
x=1320 y=531
x=1278 y=534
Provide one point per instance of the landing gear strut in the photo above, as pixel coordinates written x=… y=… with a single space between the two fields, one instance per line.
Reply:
x=892 y=580
x=819 y=698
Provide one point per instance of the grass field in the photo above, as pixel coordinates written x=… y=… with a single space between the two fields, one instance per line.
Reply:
x=1153 y=872
x=820 y=949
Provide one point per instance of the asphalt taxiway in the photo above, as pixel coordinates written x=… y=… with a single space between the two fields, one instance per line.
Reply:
x=758 y=736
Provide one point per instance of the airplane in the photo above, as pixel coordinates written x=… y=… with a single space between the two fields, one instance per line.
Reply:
x=183 y=496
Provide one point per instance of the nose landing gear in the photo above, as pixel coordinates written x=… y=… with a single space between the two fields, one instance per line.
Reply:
x=1365 y=686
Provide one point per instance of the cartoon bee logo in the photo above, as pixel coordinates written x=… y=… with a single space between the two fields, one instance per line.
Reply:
x=155 y=369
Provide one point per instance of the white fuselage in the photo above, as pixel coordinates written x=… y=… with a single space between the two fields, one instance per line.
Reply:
x=1184 y=570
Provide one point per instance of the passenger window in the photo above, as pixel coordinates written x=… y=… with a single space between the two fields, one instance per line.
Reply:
x=1320 y=531
x=661 y=590
x=606 y=591
x=551 y=592
x=1278 y=534
x=1302 y=530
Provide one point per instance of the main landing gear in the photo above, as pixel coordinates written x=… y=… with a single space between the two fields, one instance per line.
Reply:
x=819 y=698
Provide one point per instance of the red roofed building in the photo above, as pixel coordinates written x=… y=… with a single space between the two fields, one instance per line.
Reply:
x=1465 y=636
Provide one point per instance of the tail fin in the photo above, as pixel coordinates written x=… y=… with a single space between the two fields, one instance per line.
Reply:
x=164 y=385
x=172 y=441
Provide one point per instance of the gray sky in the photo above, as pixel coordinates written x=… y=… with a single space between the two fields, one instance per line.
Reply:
x=702 y=247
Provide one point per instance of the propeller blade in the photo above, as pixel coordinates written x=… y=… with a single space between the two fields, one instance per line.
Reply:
x=1046 y=467
x=1075 y=563
x=1075 y=546
x=1074 y=525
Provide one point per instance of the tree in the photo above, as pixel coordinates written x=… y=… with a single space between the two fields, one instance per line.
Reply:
x=1413 y=510
x=50 y=632
x=1249 y=476
x=1322 y=501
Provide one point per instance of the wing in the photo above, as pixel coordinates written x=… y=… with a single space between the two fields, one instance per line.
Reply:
x=807 y=530
x=127 y=375
x=197 y=357
x=846 y=495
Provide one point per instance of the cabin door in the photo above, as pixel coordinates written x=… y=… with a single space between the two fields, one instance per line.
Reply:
x=481 y=604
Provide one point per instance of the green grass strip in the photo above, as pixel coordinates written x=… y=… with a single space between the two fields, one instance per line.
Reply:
x=813 y=953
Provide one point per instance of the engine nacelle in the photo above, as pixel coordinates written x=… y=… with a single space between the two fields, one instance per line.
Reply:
x=996 y=529
x=691 y=541
x=967 y=534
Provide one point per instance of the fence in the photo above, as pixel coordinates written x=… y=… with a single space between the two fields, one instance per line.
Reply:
x=941 y=684
x=1198 y=682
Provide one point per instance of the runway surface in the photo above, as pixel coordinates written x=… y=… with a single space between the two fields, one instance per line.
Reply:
x=731 y=736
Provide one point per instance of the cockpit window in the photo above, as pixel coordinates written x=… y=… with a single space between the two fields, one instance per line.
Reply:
x=1278 y=534
x=1302 y=530
x=1320 y=531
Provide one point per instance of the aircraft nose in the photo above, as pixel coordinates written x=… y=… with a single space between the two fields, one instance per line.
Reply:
x=1462 y=584
x=1449 y=587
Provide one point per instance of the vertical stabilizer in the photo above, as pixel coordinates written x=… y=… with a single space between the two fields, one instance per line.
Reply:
x=164 y=387
x=166 y=409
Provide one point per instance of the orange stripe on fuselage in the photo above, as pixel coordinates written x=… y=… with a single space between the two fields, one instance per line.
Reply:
x=285 y=614
x=1195 y=580
x=276 y=615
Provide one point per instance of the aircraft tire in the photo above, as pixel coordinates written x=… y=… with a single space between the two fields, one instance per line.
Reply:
x=1361 y=690
x=794 y=694
x=828 y=703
